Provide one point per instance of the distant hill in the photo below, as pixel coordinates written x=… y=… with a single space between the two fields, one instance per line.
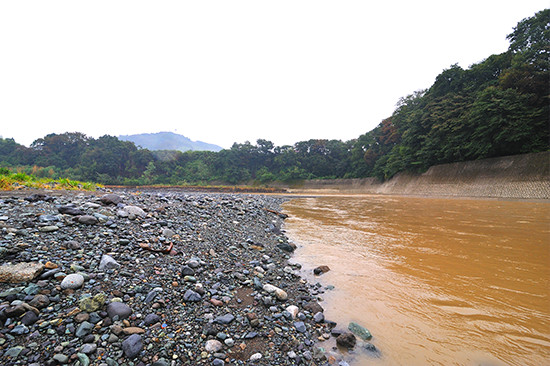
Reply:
x=168 y=141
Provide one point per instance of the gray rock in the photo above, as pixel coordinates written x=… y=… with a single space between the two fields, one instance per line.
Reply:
x=151 y=319
x=319 y=317
x=167 y=233
x=111 y=199
x=191 y=296
x=29 y=318
x=73 y=244
x=107 y=262
x=88 y=348
x=119 y=309
x=84 y=329
x=134 y=211
x=132 y=346
x=88 y=220
x=40 y=301
x=285 y=247
x=161 y=362
x=70 y=210
x=14 y=352
x=72 y=281
x=300 y=327
x=48 y=229
x=61 y=358
x=187 y=271
x=224 y=319
x=371 y=350
x=19 y=329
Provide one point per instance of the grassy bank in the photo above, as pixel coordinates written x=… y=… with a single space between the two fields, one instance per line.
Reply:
x=16 y=180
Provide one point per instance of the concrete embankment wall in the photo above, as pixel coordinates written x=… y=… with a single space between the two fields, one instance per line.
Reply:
x=516 y=177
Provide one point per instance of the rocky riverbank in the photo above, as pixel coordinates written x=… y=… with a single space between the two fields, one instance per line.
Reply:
x=159 y=278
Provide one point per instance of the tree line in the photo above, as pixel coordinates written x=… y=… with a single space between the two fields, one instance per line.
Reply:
x=497 y=107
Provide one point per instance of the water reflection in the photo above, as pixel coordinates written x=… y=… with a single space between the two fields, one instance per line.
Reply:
x=436 y=281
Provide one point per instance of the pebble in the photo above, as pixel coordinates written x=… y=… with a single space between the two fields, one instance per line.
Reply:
x=213 y=346
x=107 y=262
x=132 y=346
x=119 y=309
x=72 y=281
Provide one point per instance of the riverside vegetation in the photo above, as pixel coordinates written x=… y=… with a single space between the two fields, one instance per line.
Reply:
x=156 y=278
x=497 y=107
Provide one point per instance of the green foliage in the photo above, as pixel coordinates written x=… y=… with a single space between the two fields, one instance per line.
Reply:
x=497 y=107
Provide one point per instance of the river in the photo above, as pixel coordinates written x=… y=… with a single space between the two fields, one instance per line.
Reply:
x=436 y=281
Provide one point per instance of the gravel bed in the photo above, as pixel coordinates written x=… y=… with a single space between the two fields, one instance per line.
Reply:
x=153 y=278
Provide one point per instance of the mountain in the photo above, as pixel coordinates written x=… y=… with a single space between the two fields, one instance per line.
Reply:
x=168 y=141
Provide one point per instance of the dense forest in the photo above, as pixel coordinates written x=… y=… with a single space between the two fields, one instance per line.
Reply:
x=497 y=107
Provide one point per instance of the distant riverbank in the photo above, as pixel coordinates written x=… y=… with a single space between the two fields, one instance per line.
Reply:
x=512 y=177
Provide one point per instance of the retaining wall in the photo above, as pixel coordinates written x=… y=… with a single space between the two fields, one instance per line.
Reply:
x=517 y=177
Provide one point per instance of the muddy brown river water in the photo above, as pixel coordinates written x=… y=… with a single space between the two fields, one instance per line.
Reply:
x=436 y=281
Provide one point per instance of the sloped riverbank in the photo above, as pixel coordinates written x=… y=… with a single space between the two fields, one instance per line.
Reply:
x=512 y=177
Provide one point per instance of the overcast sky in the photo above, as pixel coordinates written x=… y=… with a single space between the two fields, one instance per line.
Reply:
x=230 y=71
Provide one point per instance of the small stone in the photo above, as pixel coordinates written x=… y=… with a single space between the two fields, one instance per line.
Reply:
x=151 y=319
x=88 y=220
x=119 y=309
x=133 y=330
x=346 y=340
x=319 y=317
x=300 y=327
x=293 y=310
x=70 y=210
x=320 y=270
x=20 y=329
x=48 y=228
x=29 y=318
x=91 y=304
x=313 y=307
x=224 y=319
x=132 y=346
x=81 y=317
x=88 y=348
x=256 y=357
x=191 y=296
x=14 y=352
x=73 y=244
x=84 y=329
x=107 y=262
x=213 y=346
x=279 y=293
x=134 y=211
x=286 y=247
x=111 y=199
x=360 y=331
x=72 y=281
x=83 y=359
x=61 y=358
